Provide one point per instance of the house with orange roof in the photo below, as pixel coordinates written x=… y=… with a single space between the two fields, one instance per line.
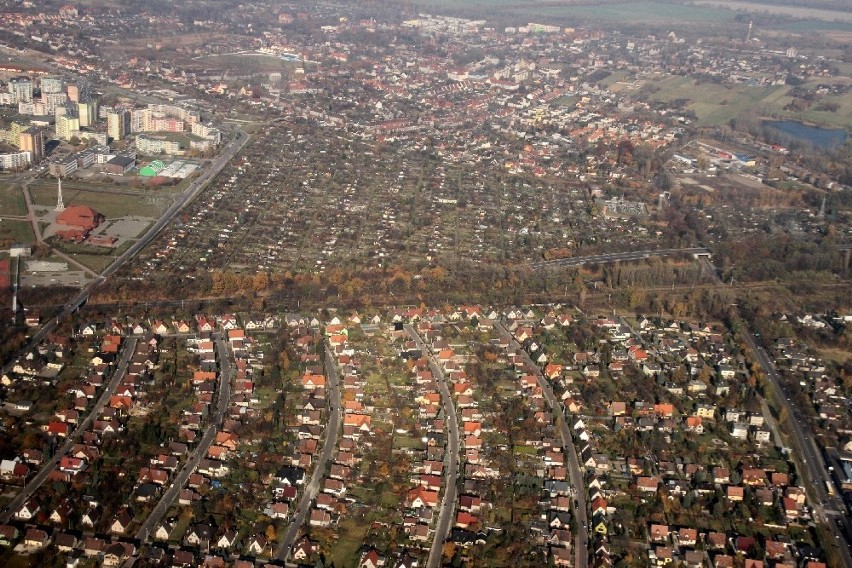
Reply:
x=122 y=403
x=236 y=334
x=359 y=421
x=693 y=423
x=466 y=520
x=462 y=389
x=421 y=497
x=735 y=493
x=664 y=410
x=111 y=343
x=337 y=340
x=313 y=382
x=199 y=377
x=552 y=370
x=647 y=484
x=473 y=429
x=659 y=533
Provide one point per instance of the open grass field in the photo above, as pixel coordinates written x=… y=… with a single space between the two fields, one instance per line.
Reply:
x=111 y=205
x=716 y=104
x=257 y=62
x=345 y=550
x=16 y=231
x=637 y=12
x=11 y=200
x=837 y=355
x=96 y=262
x=708 y=12
x=792 y=11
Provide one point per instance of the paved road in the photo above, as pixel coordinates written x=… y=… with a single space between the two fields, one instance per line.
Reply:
x=223 y=395
x=188 y=195
x=811 y=463
x=617 y=256
x=332 y=429
x=451 y=457
x=41 y=476
x=581 y=538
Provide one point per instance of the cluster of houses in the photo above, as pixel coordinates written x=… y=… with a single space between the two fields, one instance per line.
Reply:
x=468 y=526
x=555 y=533
x=53 y=525
x=693 y=370
x=827 y=394
x=109 y=530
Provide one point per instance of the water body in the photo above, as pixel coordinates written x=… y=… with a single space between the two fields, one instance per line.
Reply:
x=820 y=137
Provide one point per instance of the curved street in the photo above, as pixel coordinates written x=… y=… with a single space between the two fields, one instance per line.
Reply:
x=328 y=447
x=451 y=457
x=223 y=395
x=44 y=472
x=581 y=539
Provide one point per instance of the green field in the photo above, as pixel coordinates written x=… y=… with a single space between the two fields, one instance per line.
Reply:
x=182 y=138
x=251 y=62
x=802 y=20
x=111 y=205
x=344 y=552
x=96 y=262
x=626 y=12
x=16 y=231
x=716 y=104
x=12 y=200
x=638 y=12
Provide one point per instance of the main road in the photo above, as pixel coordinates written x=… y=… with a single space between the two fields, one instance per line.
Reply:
x=451 y=458
x=192 y=191
x=581 y=538
x=45 y=471
x=617 y=257
x=223 y=395
x=335 y=416
x=811 y=463
x=830 y=507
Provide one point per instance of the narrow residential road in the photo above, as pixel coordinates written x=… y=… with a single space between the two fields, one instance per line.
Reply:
x=47 y=468
x=581 y=538
x=828 y=508
x=451 y=457
x=223 y=395
x=335 y=416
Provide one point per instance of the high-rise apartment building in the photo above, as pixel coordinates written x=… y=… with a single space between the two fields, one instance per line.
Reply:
x=32 y=141
x=118 y=124
x=21 y=89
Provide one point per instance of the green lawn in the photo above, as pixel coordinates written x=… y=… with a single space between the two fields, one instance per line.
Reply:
x=111 y=205
x=525 y=450
x=252 y=62
x=716 y=104
x=94 y=261
x=407 y=442
x=12 y=200
x=16 y=231
x=632 y=12
x=344 y=550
